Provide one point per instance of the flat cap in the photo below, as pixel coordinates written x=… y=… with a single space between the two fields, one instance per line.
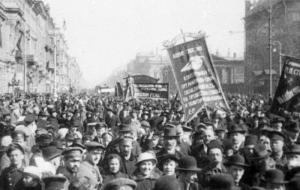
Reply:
x=72 y=152
x=93 y=145
x=119 y=182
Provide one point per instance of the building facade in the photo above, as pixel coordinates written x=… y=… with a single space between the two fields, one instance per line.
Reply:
x=150 y=64
x=27 y=32
x=285 y=37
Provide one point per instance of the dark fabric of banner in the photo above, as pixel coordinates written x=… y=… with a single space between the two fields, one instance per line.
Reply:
x=196 y=78
x=287 y=96
x=152 y=91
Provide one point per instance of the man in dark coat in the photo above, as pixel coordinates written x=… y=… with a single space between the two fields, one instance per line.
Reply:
x=236 y=168
x=170 y=143
x=128 y=159
x=72 y=160
x=14 y=173
x=187 y=177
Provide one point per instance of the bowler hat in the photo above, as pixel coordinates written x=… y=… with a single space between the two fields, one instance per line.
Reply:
x=251 y=140
x=260 y=152
x=294 y=183
x=170 y=132
x=123 y=128
x=51 y=152
x=292 y=126
x=237 y=128
x=276 y=119
x=118 y=183
x=236 y=160
x=44 y=139
x=145 y=156
x=221 y=182
x=56 y=182
x=188 y=163
x=274 y=176
x=168 y=182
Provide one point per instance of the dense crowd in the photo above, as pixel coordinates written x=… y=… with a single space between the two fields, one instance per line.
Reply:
x=87 y=142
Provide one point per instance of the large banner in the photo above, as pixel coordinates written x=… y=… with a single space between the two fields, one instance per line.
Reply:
x=287 y=95
x=196 y=78
x=151 y=91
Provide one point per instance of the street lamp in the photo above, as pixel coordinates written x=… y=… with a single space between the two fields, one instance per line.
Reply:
x=280 y=53
x=270 y=43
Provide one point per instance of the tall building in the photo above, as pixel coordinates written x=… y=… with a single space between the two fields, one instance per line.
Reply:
x=285 y=37
x=28 y=32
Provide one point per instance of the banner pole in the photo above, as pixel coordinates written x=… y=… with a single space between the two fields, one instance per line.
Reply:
x=217 y=77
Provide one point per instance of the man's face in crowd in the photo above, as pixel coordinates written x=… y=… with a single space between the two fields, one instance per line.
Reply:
x=237 y=173
x=72 y=164
x=16 y=157
x=249 y=149
x=55 y=162
x=277 y=145
x=215 y=155
x=237 y=138
x=264 y=140
x=169 y=167
x=170 y=143
x=278 y=126
x=100 y=131
x=265 y=164
x=126 y=148
x=208 y=136
x=190 y=176
x=107 y=139
x=95 y=155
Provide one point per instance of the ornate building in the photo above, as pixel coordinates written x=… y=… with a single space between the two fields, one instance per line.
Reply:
x=285 y=37
x=27 y=32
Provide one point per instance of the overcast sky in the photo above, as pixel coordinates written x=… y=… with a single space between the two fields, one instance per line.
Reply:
x=106 y=34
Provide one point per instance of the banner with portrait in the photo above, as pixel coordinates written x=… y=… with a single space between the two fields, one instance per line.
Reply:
x=287 y=95
x=196 y=78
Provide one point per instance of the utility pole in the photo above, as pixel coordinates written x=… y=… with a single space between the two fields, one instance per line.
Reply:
x=24 y=55
x=270 y=48
x=55 y=60
x=280 y=54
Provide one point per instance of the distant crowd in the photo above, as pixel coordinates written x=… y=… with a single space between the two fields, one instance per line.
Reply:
x=91 y=142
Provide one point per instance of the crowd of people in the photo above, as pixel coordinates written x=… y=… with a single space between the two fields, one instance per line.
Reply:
x=86 y=142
